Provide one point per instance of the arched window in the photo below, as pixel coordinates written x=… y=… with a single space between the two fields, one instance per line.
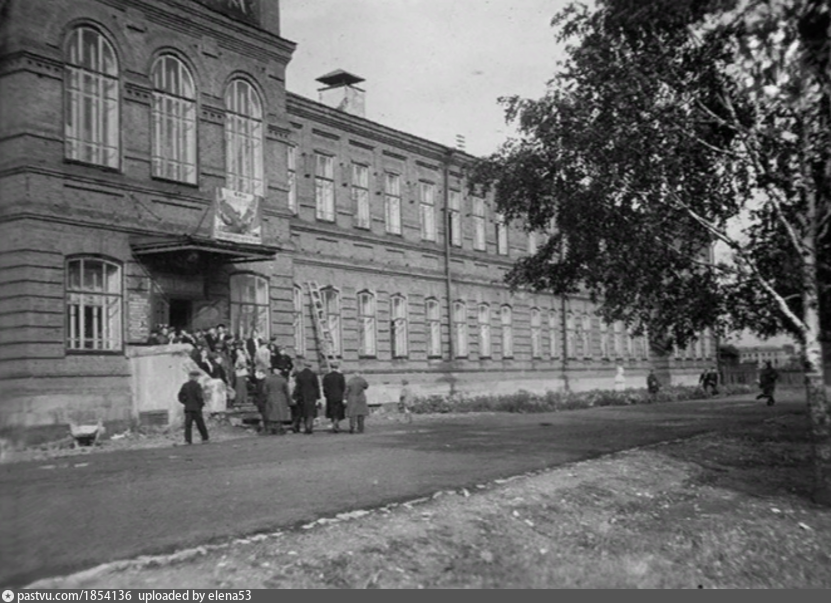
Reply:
x=244 y=138
x=398 y=326
x=536 y=333
x=460 y=327
x=174 y=120
x=250 y=306
x=507 y=320
x=91 y=127
x=553 y=327
x=299 y=327
x=484 y=322
x=433 y=314
x=331 y=306
x=366 y=324
x=93 y=304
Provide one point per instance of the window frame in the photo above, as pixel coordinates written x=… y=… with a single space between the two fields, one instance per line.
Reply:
x=501 y=234
x=360 y=196
x=325 y=183
x=392 y=202
x=535 y=318
x=187 y=136
x=83 y=293
x=454 y=222
x=507 y=328
x=244 y=134
x=106 y=114
x=553 y=326
x=460 y=329
x=427 y=210
x=291 y=177
x=434 y=348
x=478 y=216
x=367 y=324
x=258 y=306
x=334 y=320
x=399 y=326
x=298 y=322
x=484 y=328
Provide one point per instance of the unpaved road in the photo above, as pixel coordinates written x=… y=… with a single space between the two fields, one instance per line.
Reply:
x=68 y=514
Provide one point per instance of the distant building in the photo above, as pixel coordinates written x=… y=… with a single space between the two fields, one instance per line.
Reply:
x=781 y=355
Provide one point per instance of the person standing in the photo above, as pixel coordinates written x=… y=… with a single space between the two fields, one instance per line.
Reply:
x=281 y=362
x=356 y=405
x=240 y=376
x=192 y=397
x=307 y=394
x=405 y=400
x=652 y=384
x=767 y=381
x=334 y=390
x=276 y=394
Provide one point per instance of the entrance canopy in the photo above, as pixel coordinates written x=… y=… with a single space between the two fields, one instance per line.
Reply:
x=196 y=250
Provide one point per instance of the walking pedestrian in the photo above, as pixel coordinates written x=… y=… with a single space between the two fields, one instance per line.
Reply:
x=356 y=405
x=307 y=394
x=334 y=390
x=767 y=381
x=192 y=397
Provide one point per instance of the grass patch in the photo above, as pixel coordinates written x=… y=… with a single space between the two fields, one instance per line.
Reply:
x=527 y=402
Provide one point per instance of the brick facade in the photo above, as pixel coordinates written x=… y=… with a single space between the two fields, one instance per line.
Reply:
x=54 y=209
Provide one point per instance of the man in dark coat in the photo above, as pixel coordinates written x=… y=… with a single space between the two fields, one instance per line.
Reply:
x=276 y=409
x=280 y=361
x=192 y=397
x=307 y=394
x=767 y=381
x=652 y=384
x=334 y=389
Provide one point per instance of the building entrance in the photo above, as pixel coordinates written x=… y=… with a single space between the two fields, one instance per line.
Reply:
x=180 y=313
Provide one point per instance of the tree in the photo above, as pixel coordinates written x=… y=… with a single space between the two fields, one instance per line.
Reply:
x=669 y=121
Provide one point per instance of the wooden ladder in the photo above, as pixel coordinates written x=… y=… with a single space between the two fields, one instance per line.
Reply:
x=325 y=342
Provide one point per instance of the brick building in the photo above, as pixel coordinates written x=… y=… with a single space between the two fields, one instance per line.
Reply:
x=153 y=168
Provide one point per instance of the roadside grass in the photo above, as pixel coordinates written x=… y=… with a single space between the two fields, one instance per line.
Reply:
x=714 y=511
x=524 y=401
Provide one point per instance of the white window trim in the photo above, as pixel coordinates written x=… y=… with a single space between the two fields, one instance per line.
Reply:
x=104 y=303
x=367 y=325
x=291 y=177
x=324 y=187
x=433 y=328
x=174 y=123
x=399 y=327
x=360 y=196
x=455 y=219
x=392 y=202
x=333 y=319
x=299 y=326
x=244 y=140
x=460 y=328
x=536 y=332
x=241 y=307
x=479 y=239
x=483 y=319
x=427 y=210
x=507 y=331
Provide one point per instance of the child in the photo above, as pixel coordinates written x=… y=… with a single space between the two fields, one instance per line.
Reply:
x=192 y=397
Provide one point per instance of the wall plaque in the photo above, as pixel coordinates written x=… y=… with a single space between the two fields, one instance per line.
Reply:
x=138 y=317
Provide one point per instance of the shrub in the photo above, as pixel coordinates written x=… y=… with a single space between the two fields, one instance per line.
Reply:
x=524 y=401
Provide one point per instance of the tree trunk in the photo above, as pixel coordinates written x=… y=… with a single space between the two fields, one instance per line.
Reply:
x=815 y=387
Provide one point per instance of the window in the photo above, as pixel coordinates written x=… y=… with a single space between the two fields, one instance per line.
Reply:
x=91 y=129
x=360 y=194
x=484 y=321
x=553 y=326
x=392 y=202
x=250 y=306
x=174 y=121
x=460 y=328
x=708 y=344
x=433 y=313
x=299 y=327
x=586 y=336
x=331 y=306
x=604 y=339
x=507 y=332
x=533 y=243
x=618 y=340
x=455 y=219
x=291 y=163
x=324 y=187
x=93 y=305
x=427 y=208
x=244 y=138
x=572 y=338
x=398 y=326
x=501 y=235
x=478 y=224
x=366 y=324
x=536 y=333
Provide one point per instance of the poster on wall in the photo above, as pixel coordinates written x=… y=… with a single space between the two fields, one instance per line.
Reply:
x=138 y=314
x=237 y=217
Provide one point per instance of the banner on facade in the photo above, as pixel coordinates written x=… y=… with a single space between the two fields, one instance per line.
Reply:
x=237 y=217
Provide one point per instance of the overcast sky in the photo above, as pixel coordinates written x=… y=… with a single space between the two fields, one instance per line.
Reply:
x=433 y=68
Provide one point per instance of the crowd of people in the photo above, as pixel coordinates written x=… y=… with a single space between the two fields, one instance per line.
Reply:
x=257 y=371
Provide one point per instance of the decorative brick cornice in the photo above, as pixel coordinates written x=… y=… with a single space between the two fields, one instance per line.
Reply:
x=28 y=61
x=278 y=132
x=213 y=115
x=137 y=93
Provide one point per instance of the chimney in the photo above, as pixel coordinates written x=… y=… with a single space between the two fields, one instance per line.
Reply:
x=340 y=92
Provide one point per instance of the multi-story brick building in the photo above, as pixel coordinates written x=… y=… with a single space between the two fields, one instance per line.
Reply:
x=153 y=168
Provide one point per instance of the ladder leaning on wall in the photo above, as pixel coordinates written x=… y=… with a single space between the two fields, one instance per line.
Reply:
x=325 y=342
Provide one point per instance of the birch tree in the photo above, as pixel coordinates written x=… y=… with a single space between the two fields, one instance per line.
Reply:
x=673 y=127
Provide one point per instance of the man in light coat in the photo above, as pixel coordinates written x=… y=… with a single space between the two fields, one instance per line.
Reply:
x=356 y=405
x=277 y=398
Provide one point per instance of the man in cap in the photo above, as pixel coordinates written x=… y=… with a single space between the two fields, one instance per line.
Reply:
x=193 y=398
